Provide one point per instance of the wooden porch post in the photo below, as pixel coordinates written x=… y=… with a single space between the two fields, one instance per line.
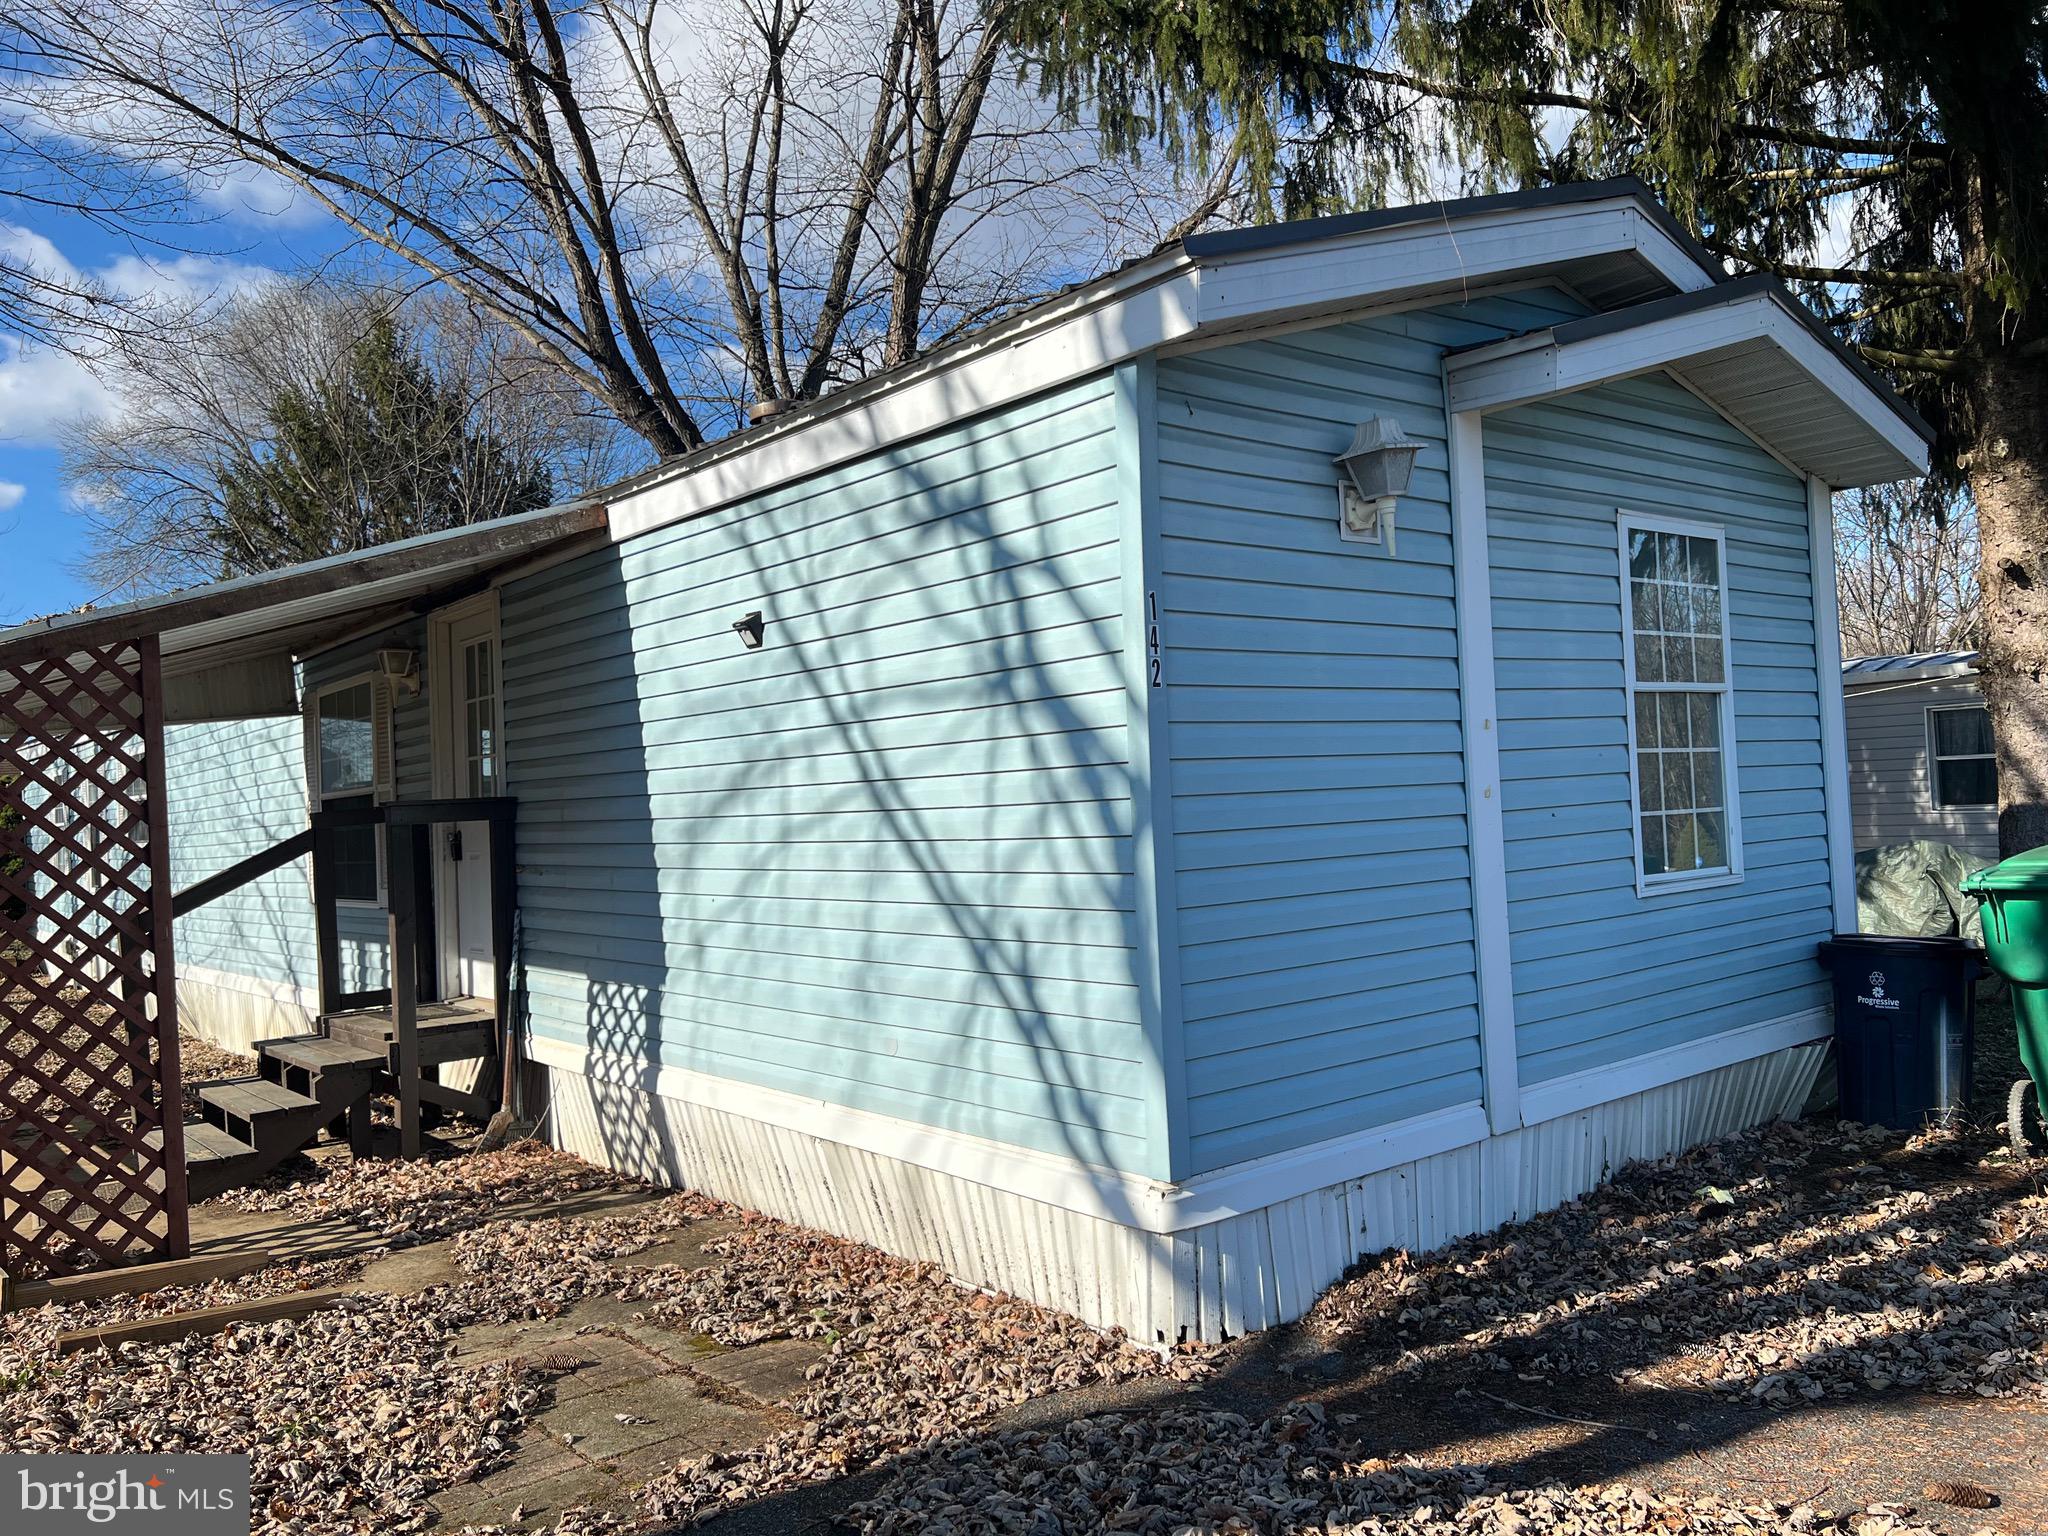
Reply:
x=504 y=895
x=326 y=924
x=170 y=1088
x=403 y=927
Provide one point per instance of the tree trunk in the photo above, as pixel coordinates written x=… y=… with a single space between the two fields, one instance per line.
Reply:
x=2008 y=472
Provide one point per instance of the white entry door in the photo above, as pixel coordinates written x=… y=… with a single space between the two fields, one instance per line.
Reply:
x=467 y=692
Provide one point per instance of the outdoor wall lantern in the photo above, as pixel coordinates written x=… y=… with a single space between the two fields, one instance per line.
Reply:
x=1376 y=468
x=402 y=669
x=751 y=629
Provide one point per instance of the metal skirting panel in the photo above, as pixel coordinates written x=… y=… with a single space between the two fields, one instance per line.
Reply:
x=1221 y=1279
x=234 y=1012
x=1101 y=1271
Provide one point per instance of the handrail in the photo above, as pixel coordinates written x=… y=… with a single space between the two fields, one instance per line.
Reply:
x=417 y=813
x=237 y=875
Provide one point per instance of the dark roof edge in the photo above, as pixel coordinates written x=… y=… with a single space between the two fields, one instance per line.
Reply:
x=1911 y=666
x=1235 y=242
x=1731 y=292
x=511 y=537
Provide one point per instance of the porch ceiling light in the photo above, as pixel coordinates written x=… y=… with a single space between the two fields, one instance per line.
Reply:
x=1377 y=466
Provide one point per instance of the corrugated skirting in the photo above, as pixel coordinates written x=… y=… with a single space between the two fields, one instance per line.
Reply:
x=234 y=1012
x=1213 y=1281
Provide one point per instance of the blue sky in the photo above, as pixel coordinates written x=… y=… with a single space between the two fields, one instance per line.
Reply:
x=39 y=390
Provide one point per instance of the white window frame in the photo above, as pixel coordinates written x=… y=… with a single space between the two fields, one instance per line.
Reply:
x=1672 y=882
x=1934 y=761
x=379 y=746
x=441 y=733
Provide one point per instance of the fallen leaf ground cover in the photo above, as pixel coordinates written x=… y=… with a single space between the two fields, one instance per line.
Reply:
x=353 y=1417
x=1208 y=1472
x=1754 y=1281
x=1648 y=1331
x=1791 y=1263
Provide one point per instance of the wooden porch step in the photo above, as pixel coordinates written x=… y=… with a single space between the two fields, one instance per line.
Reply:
x=251 y=1098
x=214 y=1160
x=328 y=1070
x=315 y=1053
x=267 y=1115
x=454 y=1031
x=207 y=1144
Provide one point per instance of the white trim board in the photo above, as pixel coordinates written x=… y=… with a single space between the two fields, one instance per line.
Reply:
x=1148 y=1204
x=1748 y=323
x=1583 y=1090
x=1834 y=725
x=288 y=993
x=1492 y=932
x=1157 y=957
x=1129 y=1199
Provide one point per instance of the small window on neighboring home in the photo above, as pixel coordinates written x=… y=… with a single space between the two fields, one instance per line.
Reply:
x=345 y=718
x=1681 y=704
x=1959 y=747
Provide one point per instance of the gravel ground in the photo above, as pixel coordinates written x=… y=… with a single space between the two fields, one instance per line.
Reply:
x=1795 y=1265
x=350 y=1417
x=1210 y=1471
x=1788 y=1264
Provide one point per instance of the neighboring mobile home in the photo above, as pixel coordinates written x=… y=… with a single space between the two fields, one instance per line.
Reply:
x=1920 y=752
x=1020 y=811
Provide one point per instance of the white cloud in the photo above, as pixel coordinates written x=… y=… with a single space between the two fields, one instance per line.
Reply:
x=37 y=252
x=10 y=495
x=182 y=279
x=256 y=196
x=1836 y=246
x=41 y=390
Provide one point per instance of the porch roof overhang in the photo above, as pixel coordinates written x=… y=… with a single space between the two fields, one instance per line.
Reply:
x=1746 y=347
x=228 y=649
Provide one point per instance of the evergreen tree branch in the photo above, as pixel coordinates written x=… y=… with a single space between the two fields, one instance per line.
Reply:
x=1869 y=277
x=1947 y=364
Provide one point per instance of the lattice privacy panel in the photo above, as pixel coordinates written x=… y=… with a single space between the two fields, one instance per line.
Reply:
x=90 y=1172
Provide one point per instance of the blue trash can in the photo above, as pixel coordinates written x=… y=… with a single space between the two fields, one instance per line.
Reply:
x=1905 y=1026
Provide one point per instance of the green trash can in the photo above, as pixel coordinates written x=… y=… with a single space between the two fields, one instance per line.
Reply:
x=2015 y=899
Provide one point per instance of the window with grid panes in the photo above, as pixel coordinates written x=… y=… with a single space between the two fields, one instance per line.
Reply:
x=1680 y=704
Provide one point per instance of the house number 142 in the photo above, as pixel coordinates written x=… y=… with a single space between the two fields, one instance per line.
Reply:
x=1154 y=666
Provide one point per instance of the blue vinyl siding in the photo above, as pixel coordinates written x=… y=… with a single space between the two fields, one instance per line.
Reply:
x=1602 y=974
x=232 y=790
x=1322 y=861
x=886 y=860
